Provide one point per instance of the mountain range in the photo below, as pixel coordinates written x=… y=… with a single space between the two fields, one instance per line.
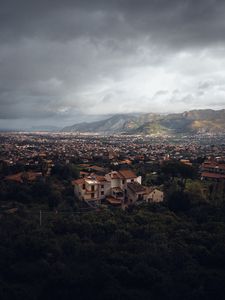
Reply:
x=189 y=122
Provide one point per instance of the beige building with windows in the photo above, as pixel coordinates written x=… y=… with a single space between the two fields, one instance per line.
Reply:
x=118 y=188
x=92 y=188
x=153 y=195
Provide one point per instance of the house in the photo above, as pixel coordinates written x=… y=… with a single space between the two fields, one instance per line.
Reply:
x=186 y=162
x=122 y=178
x=153 y=195
x=135 y=192
x=118 y=188
x=96 y=188
x=92 y=188
x=22 y=177
x=211 y=170
x=139 y=193
x=212 y=176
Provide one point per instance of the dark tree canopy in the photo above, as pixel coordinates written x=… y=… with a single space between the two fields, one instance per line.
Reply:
x=148 y=252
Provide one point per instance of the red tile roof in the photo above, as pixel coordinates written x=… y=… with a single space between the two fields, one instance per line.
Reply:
x=20 y=177
x=14 y=177
x=213 y=165
x=115 y=175
x=213 y=175
x=32 y=176
x=113 y=201
x=136 y=187
x=84 y=173
x=78 y=181
x=127 y=174
x=101 y=178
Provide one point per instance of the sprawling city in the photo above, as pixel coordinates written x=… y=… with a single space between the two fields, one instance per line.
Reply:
x=109 y=170
x=112 y=150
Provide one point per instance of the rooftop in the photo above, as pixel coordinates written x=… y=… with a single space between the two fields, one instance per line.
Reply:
x=127 y=174
x=136 y=187
x=78 y=181
x=113 y=201
x=213 y=175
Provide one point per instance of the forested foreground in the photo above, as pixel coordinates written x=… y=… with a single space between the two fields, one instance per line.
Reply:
x=148 y=252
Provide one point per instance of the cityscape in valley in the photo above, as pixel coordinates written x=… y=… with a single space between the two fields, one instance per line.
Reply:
x=112 y=150
x=111 y=170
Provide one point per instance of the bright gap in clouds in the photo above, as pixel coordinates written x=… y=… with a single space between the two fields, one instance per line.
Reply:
x=62 y=62
x=187 y=80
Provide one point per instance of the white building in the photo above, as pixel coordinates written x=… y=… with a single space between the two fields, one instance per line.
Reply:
x=117 y=187
x=153 y=195
x=92 y=188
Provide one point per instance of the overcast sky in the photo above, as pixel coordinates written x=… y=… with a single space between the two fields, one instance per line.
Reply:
x=61 y=60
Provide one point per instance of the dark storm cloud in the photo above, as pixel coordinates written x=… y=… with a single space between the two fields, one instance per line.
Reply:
x=176 y=21
x=61 y=57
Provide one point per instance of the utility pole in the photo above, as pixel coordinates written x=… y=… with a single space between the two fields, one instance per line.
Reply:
x=40 y=218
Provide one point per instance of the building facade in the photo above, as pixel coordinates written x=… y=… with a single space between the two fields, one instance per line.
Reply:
x=118 y=188
x=211 y=170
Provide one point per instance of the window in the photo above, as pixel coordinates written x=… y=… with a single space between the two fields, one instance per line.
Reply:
x=84 y=186
x=132 y=180
x=92 y=187
x=92 y=195
x=140 y=197
x=102 y=186
x=102 y=193
x=123 y=181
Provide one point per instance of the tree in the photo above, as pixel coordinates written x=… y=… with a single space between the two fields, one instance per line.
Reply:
x=67 y=172
x=196 y=191
x=177 y=169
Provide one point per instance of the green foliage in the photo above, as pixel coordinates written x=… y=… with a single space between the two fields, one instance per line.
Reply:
x=178 y=169
x=149 y=252
x=48 y=193
x=67 y=172
x=197 y=191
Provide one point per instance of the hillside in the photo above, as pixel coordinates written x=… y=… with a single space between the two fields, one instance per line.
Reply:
x=116 y=123
x=191 y=122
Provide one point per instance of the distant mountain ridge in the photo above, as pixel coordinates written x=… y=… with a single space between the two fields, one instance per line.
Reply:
x=189 y=122
x=116 y=123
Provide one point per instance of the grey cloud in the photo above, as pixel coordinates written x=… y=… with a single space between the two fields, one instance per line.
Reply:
x=203 y=85
x=218 y=85
x=61 y=58
x=160 y=93
x=177 y=22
